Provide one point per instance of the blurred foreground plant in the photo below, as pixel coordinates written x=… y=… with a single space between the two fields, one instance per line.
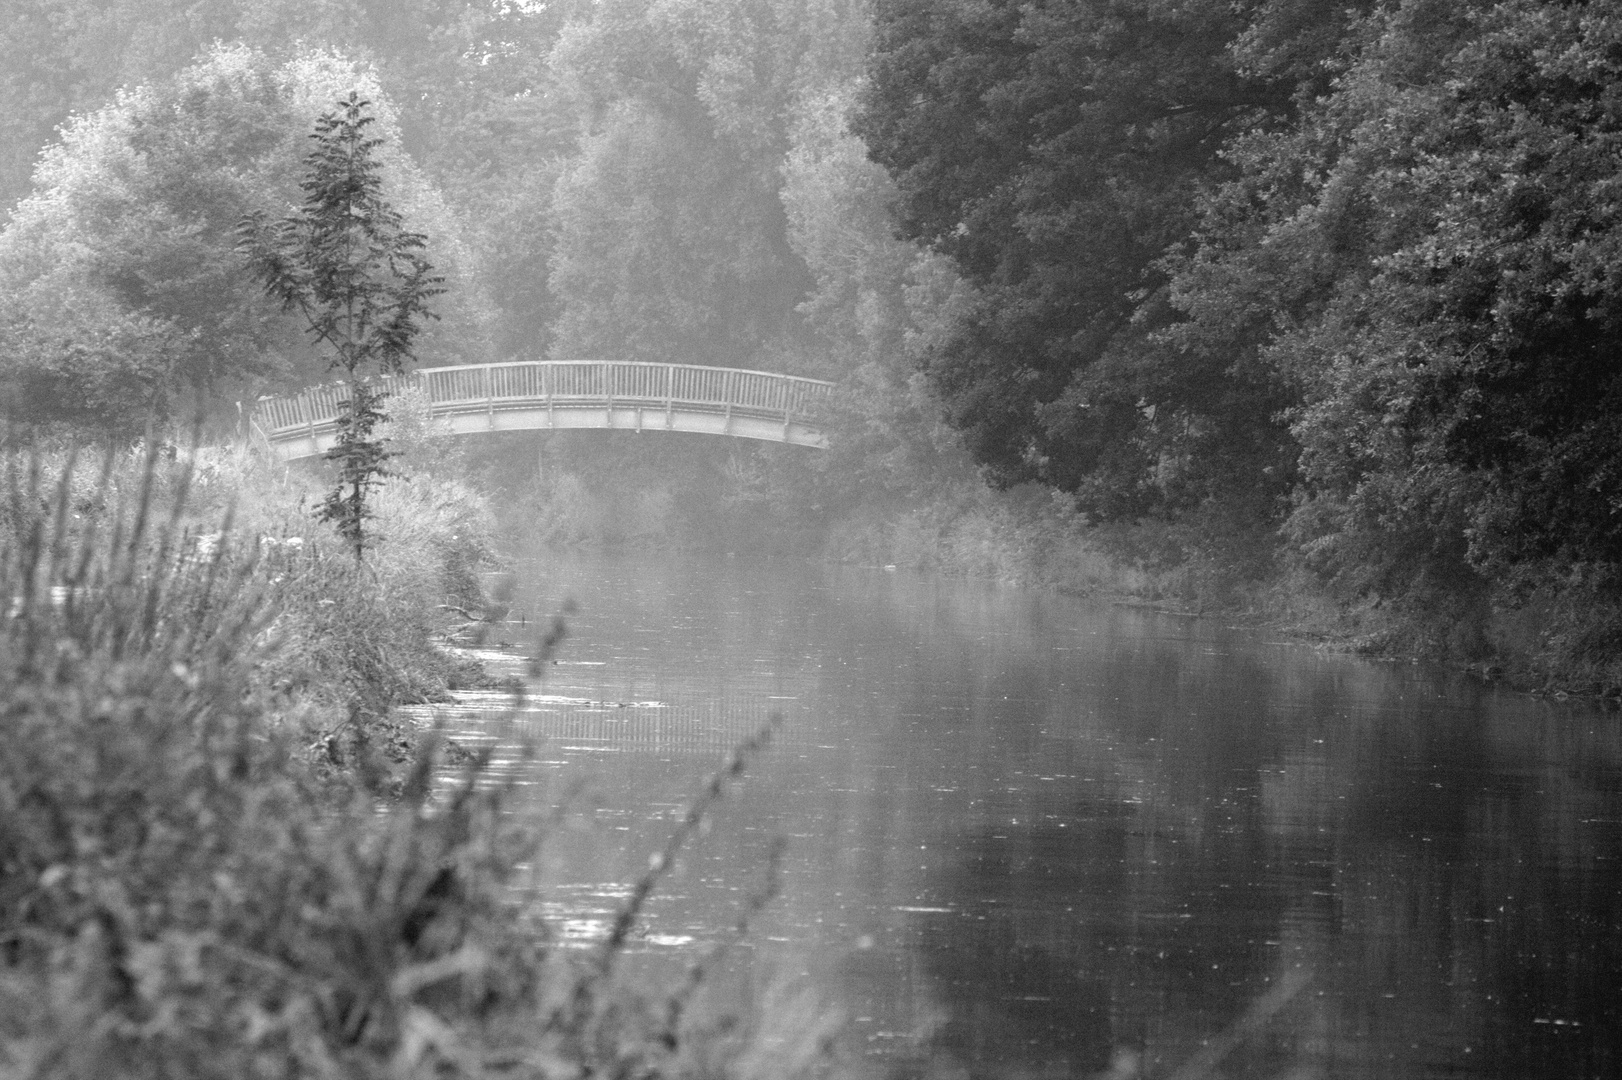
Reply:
x=179 y=896
x=183 y=895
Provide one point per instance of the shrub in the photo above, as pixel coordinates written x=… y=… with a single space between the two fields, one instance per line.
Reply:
x=177 y=895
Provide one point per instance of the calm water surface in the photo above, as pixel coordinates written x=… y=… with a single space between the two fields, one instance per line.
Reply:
x=1029 y=835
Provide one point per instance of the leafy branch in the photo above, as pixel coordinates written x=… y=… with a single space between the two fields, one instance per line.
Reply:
x=348 y=265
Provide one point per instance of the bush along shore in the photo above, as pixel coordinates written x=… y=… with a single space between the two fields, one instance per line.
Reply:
x=217 y=856
x=1556 y=641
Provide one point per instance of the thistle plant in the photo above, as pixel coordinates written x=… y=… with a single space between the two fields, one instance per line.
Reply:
x=358 y=277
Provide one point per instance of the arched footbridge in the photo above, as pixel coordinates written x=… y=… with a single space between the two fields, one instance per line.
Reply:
x=548 y=395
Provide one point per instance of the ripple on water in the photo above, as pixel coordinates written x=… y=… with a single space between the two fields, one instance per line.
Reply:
x=1033 y=836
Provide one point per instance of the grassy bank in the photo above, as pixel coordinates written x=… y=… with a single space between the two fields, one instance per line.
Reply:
x=209 y=864
x=1549 y=639
x=353 y=639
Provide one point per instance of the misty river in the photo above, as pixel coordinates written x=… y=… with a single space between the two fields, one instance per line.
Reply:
x=1032 y=835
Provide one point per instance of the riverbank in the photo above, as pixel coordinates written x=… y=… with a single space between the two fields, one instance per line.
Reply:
x=219 y=855
x=197 y=685
x=1553 y=641
x=880 y=505
x=357 y=639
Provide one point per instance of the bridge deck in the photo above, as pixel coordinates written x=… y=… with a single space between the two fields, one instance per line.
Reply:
x=530 y=395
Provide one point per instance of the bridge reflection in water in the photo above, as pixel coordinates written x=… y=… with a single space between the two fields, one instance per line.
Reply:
x=545 y=395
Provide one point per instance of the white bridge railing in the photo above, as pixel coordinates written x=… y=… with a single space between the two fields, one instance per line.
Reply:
x=545 y=394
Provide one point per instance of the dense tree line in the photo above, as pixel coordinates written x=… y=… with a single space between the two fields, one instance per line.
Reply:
x=1054 y=152
x=1352 y=272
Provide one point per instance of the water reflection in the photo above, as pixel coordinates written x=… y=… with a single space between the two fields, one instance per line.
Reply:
x=1032 y=836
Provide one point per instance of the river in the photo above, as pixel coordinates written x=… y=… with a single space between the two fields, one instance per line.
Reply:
x=1029 y=835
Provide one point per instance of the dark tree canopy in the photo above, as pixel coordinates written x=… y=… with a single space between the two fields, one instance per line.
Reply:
x=1429 y=262
x=1055 y=150
x=1349 y=269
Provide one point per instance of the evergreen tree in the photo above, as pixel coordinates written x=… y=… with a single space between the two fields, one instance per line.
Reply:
x=348 y=265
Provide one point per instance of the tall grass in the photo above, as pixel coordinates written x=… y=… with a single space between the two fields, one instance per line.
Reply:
x=197 y=876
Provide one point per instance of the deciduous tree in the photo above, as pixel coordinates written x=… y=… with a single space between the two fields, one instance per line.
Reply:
x=1432 y=260
x=671 y=238
x=124 y=252
x=1054 y=151
x=358 y=277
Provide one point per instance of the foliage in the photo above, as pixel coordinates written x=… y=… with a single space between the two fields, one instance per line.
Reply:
x=59 y=57
x=120 y=257
x=671 y=234
x=1347 y=270
x=345 y=260
x=669 y=230
x=121 y=298
x=177 y=895
x=1052 y=151
x=445 y=60
x=422 y=445
x=197 y=875
x=359 y=455
x=1428 y=259
x=88 y=370
x=838 y=221
x=360 y=282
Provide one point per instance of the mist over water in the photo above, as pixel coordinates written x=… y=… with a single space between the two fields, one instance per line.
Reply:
x=1029 y=835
